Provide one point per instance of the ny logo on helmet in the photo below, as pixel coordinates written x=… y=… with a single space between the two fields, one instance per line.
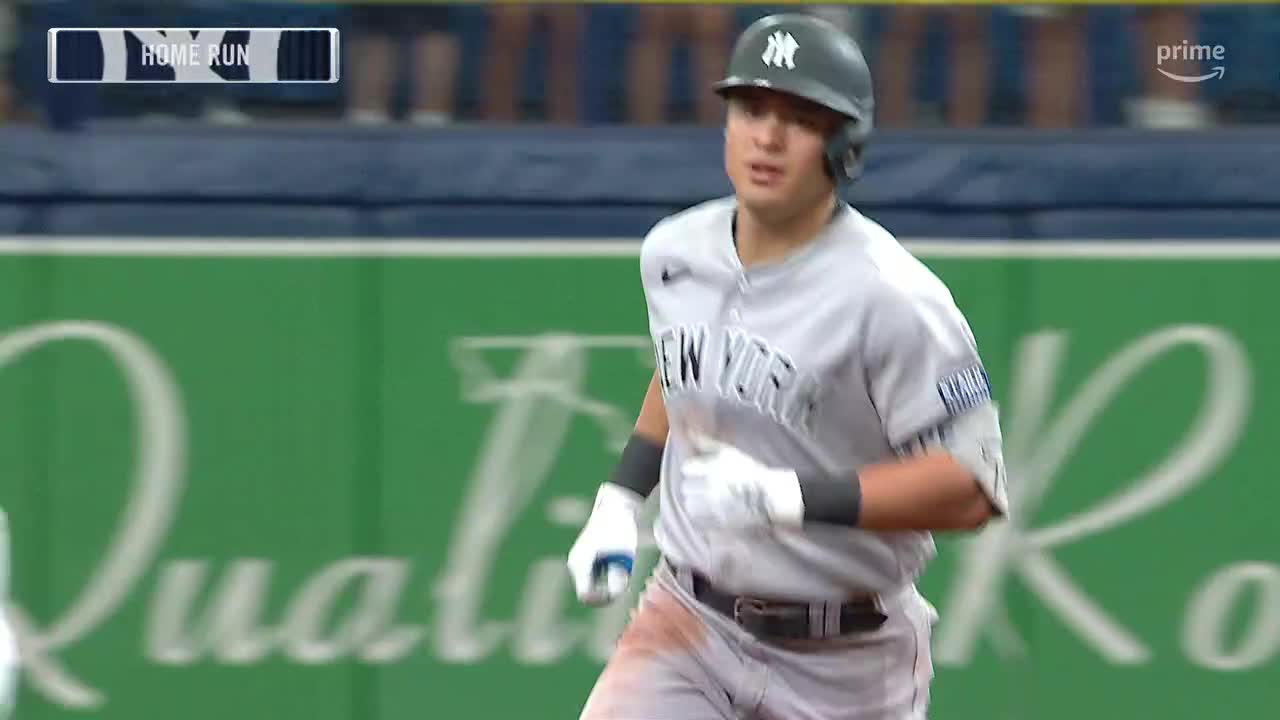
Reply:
x=781 y=51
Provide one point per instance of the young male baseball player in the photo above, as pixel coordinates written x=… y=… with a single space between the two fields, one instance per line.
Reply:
x=819 y=408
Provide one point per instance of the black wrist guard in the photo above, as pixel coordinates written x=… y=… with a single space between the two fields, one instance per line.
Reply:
x=833 y=500
x=640 y=466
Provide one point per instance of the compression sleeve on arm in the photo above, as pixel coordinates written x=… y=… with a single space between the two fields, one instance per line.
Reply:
x=640 y=466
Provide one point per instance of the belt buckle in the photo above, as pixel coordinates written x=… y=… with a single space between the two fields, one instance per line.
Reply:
x=739 y=603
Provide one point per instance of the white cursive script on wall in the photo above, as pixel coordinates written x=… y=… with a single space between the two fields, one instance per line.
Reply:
x=215 y=610
x=140 y=533
x=532 y=407
x=1037 y=448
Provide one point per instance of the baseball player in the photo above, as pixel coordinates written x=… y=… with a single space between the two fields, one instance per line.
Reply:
x=818 y=410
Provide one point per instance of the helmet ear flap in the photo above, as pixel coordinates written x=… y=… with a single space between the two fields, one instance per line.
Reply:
x=844 y=153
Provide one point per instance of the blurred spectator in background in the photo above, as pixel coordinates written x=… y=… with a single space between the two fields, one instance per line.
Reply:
x=511 y=26
x=1057 y=56
x=1046 y=63
x=1058 y=61
x=969 y=65
x=845 y=17
x=8 y=43
x=377 y=32
x=1164 y=102
x=707 y=28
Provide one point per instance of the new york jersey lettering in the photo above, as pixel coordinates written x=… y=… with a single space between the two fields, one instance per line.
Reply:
x=680 y=351
x=747 y=371
x=756 y=373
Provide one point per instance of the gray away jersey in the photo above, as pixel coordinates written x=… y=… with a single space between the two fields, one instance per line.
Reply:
x=826 y=360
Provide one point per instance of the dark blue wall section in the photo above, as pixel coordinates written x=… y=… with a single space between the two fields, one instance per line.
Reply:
x=328 y=181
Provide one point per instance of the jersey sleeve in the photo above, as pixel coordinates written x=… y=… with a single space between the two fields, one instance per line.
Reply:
x=931 y=390
x=646 y=268
x=974 y=440
x=652 y=251
x=921 y=362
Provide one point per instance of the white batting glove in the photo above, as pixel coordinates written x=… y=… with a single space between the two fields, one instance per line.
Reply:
x=8 y=670
x=602 y=558
x=724 y=486
x=9 y=659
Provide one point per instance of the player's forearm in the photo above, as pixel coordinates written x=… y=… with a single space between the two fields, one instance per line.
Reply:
x=640 y=466
x=652 y=423
x=924 y=492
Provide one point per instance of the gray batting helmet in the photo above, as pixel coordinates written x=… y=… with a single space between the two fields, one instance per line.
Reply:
x=808 y=57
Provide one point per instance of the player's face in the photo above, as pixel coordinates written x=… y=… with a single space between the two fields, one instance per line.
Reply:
x=774 y=145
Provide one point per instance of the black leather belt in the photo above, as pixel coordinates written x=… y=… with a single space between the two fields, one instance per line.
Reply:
x=772 y=619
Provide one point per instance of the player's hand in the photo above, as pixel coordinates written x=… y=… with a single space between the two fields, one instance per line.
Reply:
x=8 y=670
x=724 y=486
x=601 y=559
x=9 y=659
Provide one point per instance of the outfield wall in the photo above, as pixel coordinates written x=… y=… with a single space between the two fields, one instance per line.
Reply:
x=258 y=472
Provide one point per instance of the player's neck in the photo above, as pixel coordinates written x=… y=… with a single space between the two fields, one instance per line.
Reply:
x=761 y=241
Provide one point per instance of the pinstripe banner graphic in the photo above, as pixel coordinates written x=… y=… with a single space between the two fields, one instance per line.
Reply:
x=195 y=55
